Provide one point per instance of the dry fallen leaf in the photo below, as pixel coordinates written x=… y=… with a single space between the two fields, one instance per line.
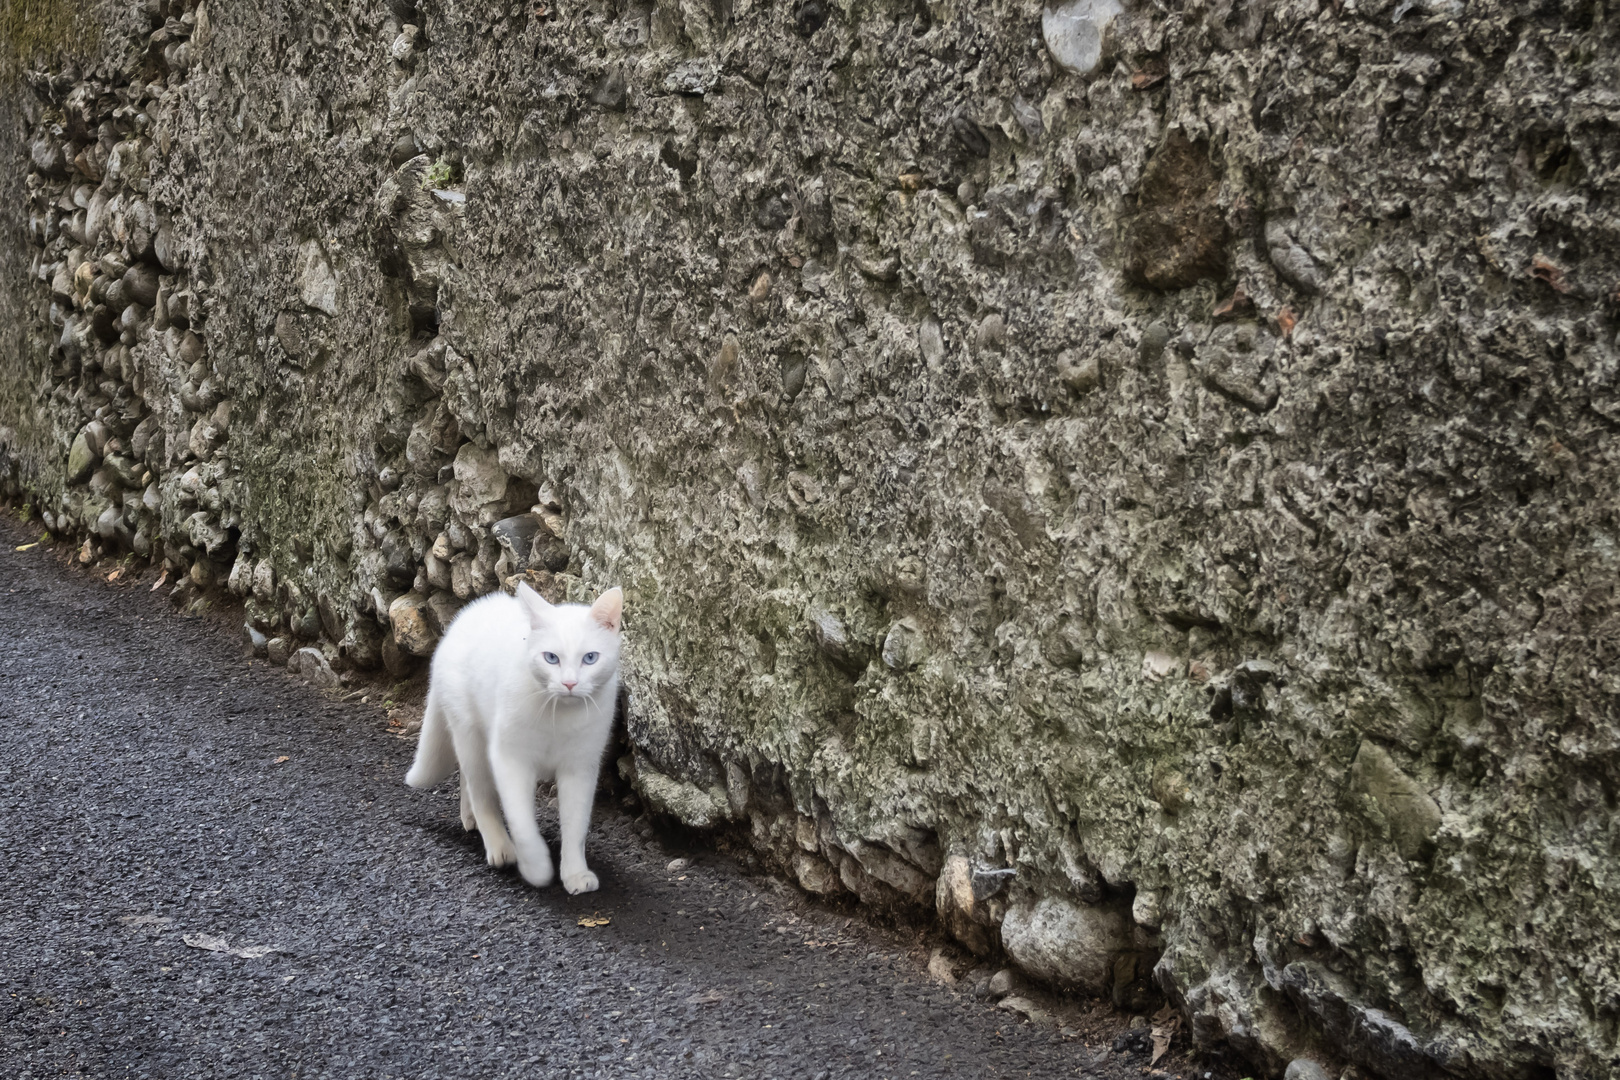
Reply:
x=158 y=584
x=26 y=547
x=1286 y=321
x=595 y=920
x=145 y=920
x=1239 y=306
x=833 y=944
x=1544 y=269
x=1150 y=74
x=210 y=943
x=1166 y=1022
x=708 y=997
x=282 y=758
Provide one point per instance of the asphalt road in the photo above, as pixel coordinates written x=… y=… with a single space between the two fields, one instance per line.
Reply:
x=161 y=798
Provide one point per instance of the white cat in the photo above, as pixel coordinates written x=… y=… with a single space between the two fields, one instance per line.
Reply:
x=524 y=691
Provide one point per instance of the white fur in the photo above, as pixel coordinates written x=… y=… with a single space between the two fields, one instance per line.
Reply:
x=509 y=718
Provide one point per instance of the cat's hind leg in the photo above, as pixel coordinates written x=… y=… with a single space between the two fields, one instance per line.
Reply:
x=435 y=750
x=468 y=821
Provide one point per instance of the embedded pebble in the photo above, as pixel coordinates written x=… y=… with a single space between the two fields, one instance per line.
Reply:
x=254 y=643
x=1074 y=31
x=1079 y=373
x=411 y=624
x=931 y=340
x=311 y=665
x=1305 y=1069
x=1002 y=982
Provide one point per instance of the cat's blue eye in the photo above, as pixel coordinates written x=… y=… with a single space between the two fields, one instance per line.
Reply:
x=551 y=658
x=591 y=657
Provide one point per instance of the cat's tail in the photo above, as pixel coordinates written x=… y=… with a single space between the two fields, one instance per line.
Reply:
x=435 y=753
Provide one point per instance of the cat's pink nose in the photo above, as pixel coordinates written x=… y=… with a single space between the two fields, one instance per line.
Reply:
x=570 y=685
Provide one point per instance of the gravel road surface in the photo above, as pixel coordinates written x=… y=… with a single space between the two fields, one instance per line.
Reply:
x=213 y=870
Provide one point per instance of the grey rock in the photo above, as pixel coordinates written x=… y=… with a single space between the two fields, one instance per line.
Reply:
x=1409 y=813
x=81 y=460
x=931 y=340
x=992 y=333
x=611 y=91
x=1147 y=908
x=107 y=523
x=442 y=609
x=517 y=534
x=395 y=660
x=311 y=665
x=1028 y=117
x=481 y=480
x=815 y=874
x=1069 y=945
x=305 y=623
x=254 y=643
x=240 y=580
x=412 y=624
x=46 y=155
x=1075 y=31
x=462 y=580
x=1305 y=1069
x=903 y=646
x=834 y=640
x=264 y=581
x=970 y=136
x=1002 y=983
x=317 y=283
x=140 y=284
x=693 y=78
x=164 y=247
x=1294 y=264
x=436 y=571
x=1080 y=373
x=362 y=645
x=278 y=650
x=1027 y=1008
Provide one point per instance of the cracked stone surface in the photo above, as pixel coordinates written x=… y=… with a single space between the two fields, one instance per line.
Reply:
x=1188 y=475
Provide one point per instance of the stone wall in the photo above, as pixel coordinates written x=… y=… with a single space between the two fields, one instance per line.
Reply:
x=1140 y=483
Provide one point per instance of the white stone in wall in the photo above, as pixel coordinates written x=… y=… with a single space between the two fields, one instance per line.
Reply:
x=1074 y=32
x=317 y=284
x=1069 y=945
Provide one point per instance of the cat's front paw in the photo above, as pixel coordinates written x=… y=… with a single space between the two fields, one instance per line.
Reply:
x=580 y=881
x=539 y=875
x=498 y=850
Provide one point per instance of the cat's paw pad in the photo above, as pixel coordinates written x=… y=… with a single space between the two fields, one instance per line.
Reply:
x=500 y=852
x=580 y=881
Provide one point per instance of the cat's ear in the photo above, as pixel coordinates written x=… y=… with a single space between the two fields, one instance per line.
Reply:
x=609 y=608
x=533 y=603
